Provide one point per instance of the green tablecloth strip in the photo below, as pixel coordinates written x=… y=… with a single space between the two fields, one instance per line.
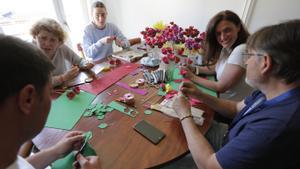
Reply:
x=65 y=113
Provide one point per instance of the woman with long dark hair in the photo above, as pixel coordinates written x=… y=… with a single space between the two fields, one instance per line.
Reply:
x=225 y=44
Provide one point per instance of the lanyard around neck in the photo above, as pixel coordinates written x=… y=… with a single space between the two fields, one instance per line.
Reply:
x=257 y=103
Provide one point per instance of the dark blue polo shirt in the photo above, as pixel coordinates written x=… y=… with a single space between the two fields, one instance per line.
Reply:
x=267 y=136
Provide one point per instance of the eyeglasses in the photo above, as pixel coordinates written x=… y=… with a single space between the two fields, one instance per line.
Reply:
x=247 y=56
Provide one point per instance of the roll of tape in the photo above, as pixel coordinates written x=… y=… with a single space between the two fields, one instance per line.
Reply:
x=134 y=85
x=88 y=80
x=128 y=98
x=140 y=82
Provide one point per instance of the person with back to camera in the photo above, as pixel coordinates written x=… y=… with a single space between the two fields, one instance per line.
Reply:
x=99 y=35
x=49 y=36
x=25 y=102
x=225 y=43
x=265 y=131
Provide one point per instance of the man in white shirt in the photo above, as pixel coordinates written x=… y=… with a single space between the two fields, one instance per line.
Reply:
x=25 y=101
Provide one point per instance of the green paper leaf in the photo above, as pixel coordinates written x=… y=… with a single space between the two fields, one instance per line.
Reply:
x=103 y=125
x=148 y=112
x=101 y=117
x=88 y=135
x=117 y=106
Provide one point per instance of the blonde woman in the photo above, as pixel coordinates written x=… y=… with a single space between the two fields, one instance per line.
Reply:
x=49 y=36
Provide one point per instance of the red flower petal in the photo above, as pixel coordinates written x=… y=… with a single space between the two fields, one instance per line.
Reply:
x=171 y=57
x=163 y=86
x=112 y=62
x=70 y=95
x=164 y=51
x=183 y=71
x=165 y=60
x=190 y=61
x=177 y=59
x=76 y=90
x=118 y=62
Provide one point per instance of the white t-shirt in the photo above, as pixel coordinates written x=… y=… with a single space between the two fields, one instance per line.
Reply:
x=240 y=90
x=20 y=163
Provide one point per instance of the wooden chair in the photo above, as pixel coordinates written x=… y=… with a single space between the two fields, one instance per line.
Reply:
x=134 y=41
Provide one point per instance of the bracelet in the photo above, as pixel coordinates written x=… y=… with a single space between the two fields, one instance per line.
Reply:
x=188 y=116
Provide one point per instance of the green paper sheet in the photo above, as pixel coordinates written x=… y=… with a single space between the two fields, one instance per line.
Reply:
x=117 y=106
x=175 y=86
x=65 y=113
x=67 y=161
x=122 y=109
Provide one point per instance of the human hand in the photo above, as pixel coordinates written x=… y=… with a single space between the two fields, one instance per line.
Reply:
x=107 y=39
x=88 y=66
x=72 y=73
x=190 y=89
x=192 y=68
x=71 y=141
x=89 y=162
x=188 y=73
x=120 y=43
x=181 y=106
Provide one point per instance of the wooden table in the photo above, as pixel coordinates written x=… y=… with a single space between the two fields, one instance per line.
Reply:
x=80 y=79
x=119 y=145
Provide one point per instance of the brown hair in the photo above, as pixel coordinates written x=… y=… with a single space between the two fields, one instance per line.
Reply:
x=213 y=48
x=23 y=64
x=98 y=4
x=49 y=25
x=282 y=43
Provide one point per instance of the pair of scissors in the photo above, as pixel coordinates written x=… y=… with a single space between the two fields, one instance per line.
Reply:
x=79 y=152
x=82 y=147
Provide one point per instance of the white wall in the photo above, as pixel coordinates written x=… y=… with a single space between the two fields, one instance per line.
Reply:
x=132 y=16
x=266 y=12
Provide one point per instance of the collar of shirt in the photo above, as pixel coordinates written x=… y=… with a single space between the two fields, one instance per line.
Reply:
x=283 y=96
x=225 y=52
x=261 y=103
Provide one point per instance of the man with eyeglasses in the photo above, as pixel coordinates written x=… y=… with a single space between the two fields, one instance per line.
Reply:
x=265 y=131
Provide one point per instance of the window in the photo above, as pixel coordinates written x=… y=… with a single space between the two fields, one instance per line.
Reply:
x=76 y=17
x=17 y=17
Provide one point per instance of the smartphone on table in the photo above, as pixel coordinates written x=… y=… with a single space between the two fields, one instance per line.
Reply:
x=149 y=131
